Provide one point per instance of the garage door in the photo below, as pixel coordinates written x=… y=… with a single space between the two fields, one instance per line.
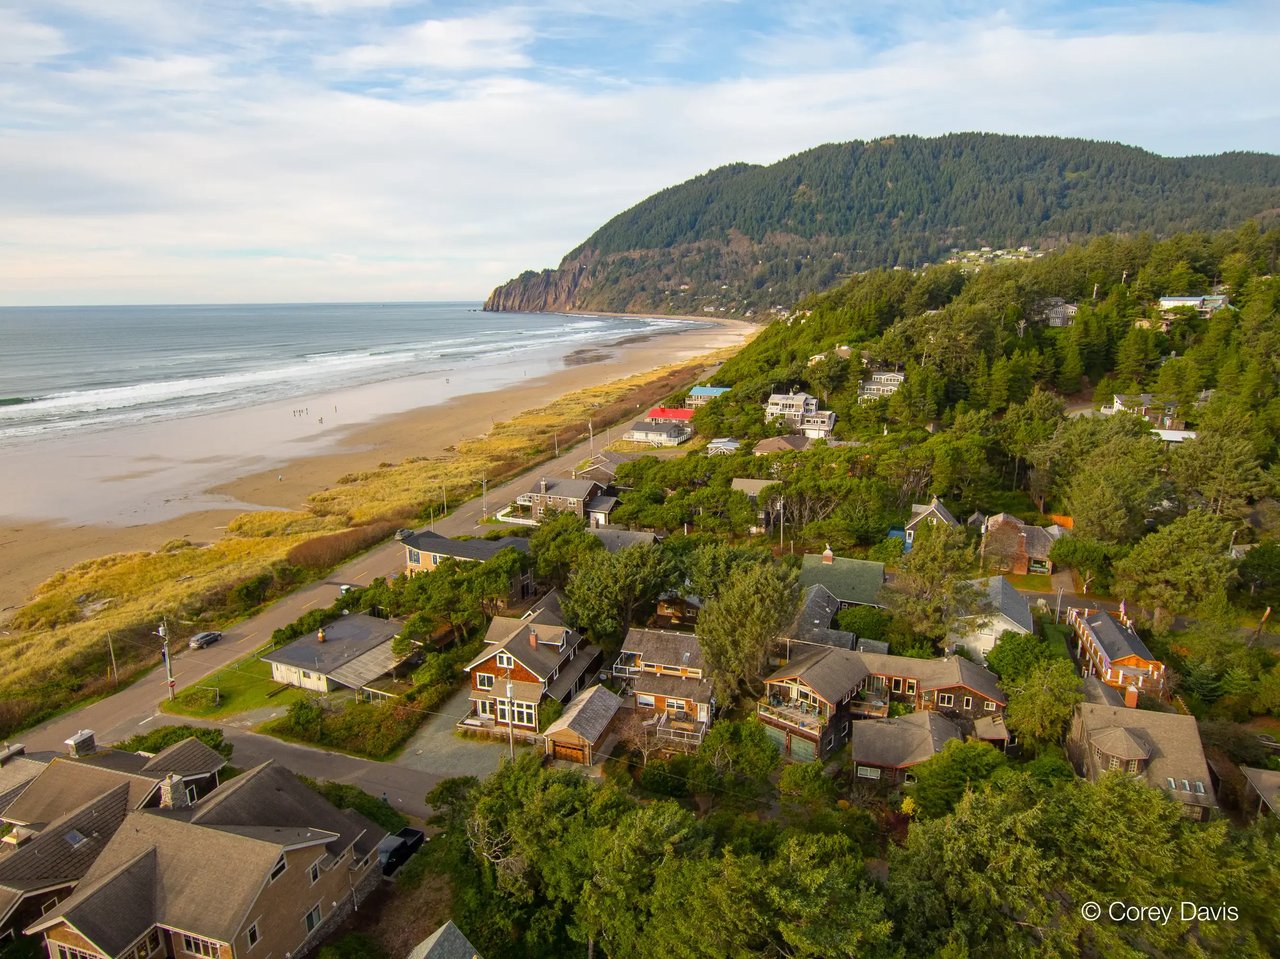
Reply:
x=574 y=754
x=801 y=749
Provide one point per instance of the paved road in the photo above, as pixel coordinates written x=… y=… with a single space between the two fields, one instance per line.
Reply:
x=136 y=708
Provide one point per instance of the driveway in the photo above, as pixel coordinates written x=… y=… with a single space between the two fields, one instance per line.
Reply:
x=436 y=749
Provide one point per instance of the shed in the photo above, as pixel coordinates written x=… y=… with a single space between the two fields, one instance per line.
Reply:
x=577 y=733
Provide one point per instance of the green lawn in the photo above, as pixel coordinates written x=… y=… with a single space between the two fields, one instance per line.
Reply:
x=1038 y=582
x=241 y=686
x=1057 y=637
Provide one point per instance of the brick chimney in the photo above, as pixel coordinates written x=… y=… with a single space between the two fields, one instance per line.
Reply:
x=81 y=744
x=1131 y=697
x=828 y=557
x=533 y=638
x=173 y=794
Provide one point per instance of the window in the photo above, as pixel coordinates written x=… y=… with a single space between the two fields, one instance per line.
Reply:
x=313 y=918
x=989 y=706
x=305 y=674
x=897 y=685
x=484 y=680
x=845 y=732
x=505 y=661
x=1199 y=787
x=946 y=699
x=200 y=947
x=252 y=935
x=191 y=794
x=1132 y=766
x=415 y=558
x=70 y=952
x=485 y=707
x=968 y=702
x=1172 y=785
x=911 y=687
x=525 y=714
x=315 y=872
x=435 y=559
x=868 y=772
x=644 y=700
x=279 y=868
x=1113 y=762
x=676 y=705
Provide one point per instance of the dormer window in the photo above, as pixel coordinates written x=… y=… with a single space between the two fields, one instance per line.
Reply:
x=506 y=660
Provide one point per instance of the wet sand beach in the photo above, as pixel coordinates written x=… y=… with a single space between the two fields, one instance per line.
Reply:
x=138 y=488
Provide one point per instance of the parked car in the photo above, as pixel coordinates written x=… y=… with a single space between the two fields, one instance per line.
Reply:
x=402 y=534
x=201 y=640
x=345 y=588
x=394 y=851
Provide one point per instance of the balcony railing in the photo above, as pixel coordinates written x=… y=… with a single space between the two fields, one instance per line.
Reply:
x=682 y=730
x=792 y=713
x=627 y=665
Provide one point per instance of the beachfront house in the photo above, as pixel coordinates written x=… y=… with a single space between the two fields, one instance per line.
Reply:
x=426 y=550
x=658 y=434
x=586 y=499
x=800 y=410
x=352 y=652
x=700 y=396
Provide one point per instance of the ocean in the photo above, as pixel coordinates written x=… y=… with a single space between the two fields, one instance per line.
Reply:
x=74 y=370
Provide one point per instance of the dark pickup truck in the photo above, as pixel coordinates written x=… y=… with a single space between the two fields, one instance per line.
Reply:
x=395 y=850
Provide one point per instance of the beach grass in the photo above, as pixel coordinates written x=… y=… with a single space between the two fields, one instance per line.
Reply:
x=59 y=650
x=241 y=686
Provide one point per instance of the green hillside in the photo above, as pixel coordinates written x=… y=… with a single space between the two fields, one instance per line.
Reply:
x=748 y=238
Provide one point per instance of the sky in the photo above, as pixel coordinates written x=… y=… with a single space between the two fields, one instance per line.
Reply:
x=175 y=151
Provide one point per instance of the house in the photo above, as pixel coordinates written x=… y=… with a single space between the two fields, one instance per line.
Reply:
x=614 y=538
x=879 y=385
x=801 y=412
x=351 y=652
x=658 y=434
x=723 y=446
x=885 y=749
x=927 y=514
x=1266 y=783
x=991 y=729
x=854 y=582
x=677 y=607
x=665 y=673
x=566 y=496
x=64 y=816
x=813 y=623
x=1057 y=312
x=1004 y=610
x=1110 y=650
x=426 y=550
x=1172 y=438
x=525 y=662
x=602 y=467
x=580 y=731
x=702 y=395
x=1011 y=546
x=262 y=866
x=447 y=942
x=810 y=702
x=752 y=488
x=666 y=414
x=1162 y=748
x=780 y=444
x=1205 y=306
x=17 y=769
x=1162 y=414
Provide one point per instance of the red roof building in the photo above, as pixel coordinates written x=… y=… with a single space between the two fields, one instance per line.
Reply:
x=664 y=414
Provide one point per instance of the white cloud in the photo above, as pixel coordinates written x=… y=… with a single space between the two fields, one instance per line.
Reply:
x=24 y=42
x=493 y=41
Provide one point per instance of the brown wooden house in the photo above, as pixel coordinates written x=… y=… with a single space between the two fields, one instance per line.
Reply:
x=1109 y=649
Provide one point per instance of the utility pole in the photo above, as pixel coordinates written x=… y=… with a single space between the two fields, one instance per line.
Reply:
x=591 y=434
x=782 y=524
x=111 y=647
x=1057 y=615
x=484 y=497
x=163 y=633
x=511 y=717
x=445 y=493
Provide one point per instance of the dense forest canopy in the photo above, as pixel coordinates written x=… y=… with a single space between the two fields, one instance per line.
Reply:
x=747 y=238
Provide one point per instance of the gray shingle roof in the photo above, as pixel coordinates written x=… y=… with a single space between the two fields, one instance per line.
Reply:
x=65 y=785
x=1173 y=742
x=831 y=673
x=698 y=690
x=1005 y=599
x=589 y=714
x=813 y=622
x=1116 y=641
x=664 y=647
x=467 y=549
x=904 y=741
x=1004 y=537
x=934 y=507
x=447 y=942
x=615 y=539
x=936 y=673
x=751 y=487
x=190 y=757
x=345 y=639
x=780 y=444
x=510 y=634
x=848 y=580
x=569 y=488
x=15 y=774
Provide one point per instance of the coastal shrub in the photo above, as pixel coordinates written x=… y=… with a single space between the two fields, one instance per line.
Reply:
x=347 y=796
x=164 y=736
x=354 y=945
x=325 y=552
x=266 y=523
x=197 y=699
x=548 y=713
x=252 y=591
x=47 y=612
x=375 y=730
x=174 y=545
x=666 y=777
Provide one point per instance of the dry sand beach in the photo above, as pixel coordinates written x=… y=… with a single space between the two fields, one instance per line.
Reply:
x=140 y=488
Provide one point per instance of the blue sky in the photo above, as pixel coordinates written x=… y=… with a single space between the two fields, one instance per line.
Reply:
x=294 y=150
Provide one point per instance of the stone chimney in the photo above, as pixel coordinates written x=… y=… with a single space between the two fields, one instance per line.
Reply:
x=828 y=557
x=542 y=487
x=320 y=635
x=173 y=794
x=81 y=744
x=1131 y=697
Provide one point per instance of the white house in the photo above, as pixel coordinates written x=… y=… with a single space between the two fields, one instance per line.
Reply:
x=927 y=514
x=880 y=385
x=1007 y=611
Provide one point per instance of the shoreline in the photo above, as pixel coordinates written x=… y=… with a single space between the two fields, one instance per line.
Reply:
x=37 y=548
